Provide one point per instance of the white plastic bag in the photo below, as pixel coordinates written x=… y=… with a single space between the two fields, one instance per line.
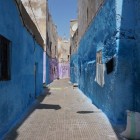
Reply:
x=133 y=126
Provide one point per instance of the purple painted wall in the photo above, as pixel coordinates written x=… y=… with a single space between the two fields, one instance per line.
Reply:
x=64 y=70
x=53 y=69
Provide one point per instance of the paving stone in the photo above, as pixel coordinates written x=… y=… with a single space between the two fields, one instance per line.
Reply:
x=66 y=114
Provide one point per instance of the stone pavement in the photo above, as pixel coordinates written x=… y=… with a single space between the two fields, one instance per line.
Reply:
x=65 y=114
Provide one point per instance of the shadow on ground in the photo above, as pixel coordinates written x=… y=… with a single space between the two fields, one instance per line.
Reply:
x=85 y=112
x=48 y=106
x=13 y=133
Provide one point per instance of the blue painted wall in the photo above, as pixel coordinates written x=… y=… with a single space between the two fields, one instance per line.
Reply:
x=114 y=31
x=18 y=93
x=137 y=56
x=39 y=71
x=74 y=68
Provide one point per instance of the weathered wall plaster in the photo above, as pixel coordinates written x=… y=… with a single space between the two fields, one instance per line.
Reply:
x=115 y=31
x=17 y=94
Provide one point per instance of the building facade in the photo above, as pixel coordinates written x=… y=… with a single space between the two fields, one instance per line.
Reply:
x=52 y=49
x=37 y=9
x=73 y=51
x=108 y=55
x=21 y=63
x=63 y=58
x=39 y=13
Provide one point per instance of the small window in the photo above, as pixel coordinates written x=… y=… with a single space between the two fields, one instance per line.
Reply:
x=110 y=66
x=47 y=39
x=5 y=73
x=87 y=14
x=50 y=46
x=70 y=50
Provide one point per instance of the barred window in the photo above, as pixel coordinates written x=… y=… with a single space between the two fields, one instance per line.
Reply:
x=5 y=73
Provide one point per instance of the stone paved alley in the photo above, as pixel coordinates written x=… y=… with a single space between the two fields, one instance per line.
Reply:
x=64 y=114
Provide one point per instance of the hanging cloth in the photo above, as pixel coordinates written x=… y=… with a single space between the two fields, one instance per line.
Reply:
x=100 y=70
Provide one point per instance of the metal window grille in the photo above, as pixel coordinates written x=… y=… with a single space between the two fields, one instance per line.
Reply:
x=5 y=73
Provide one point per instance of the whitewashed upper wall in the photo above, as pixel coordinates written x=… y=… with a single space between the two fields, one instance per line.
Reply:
x=39 y=8
x=73 y=27
x=73 y=36
x=53 y=38
x=74 y=43
x=87 y=9
x=63 y=50
x=39 y=13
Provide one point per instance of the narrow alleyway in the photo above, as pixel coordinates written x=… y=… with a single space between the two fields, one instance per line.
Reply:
x=64 y=114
